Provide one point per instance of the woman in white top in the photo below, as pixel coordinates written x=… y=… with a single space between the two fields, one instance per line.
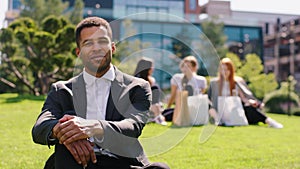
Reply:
x=188 y=79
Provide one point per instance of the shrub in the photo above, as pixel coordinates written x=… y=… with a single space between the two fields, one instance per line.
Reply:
x=280 y=100
x=277 y=102
x=296 y=111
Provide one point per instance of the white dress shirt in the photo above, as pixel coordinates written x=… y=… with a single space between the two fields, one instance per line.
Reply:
x=97 y=92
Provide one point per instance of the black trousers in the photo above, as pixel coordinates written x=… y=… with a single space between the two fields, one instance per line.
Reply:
x=254 y=115
x=65 y=160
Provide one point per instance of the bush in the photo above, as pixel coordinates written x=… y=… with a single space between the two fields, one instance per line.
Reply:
x=279 y=100
x=251 y=70
x=296 y=111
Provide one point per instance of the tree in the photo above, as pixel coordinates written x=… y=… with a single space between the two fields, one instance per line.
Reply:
x=284 y=99
x=236 y=62
x=251 y=70
x=35 y=56
x=128 y=46
x=214 y=31
x=252 y=67
x=39 y=9
x=38 y=48
x=77 y=12
x=181 y=44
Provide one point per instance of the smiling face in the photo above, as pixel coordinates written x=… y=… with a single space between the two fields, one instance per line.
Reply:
x=95 y=50
x=225 y=72
x=187 y=68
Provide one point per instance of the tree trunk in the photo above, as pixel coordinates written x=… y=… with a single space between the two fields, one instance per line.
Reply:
x=8 y=83
x=44 y=82
x=21 y=77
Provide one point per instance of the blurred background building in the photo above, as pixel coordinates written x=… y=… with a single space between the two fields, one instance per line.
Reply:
x=273 y=37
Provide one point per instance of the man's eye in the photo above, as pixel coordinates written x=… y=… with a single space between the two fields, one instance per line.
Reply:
x=88 y=43
x=103 y=41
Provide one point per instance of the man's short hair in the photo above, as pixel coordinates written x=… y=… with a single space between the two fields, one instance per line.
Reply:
x=90 y=22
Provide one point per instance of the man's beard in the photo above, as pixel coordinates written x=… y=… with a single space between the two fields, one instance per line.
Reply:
x=103 y=65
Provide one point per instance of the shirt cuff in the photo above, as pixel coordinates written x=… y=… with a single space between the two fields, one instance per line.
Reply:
x=51 y=141
x=98 y=139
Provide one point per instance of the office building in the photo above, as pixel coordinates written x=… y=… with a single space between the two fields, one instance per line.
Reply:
x=163 y=24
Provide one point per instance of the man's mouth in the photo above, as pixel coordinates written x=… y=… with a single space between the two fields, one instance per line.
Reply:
x=97 y=57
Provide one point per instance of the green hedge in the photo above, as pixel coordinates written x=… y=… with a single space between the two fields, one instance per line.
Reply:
x=277 y=101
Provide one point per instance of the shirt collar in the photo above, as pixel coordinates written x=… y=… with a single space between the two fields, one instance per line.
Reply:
x=90 y=79
x=110 y=74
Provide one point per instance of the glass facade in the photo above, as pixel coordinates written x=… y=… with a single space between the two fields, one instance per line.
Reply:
x=166 y=36
x=152 y=9
x=159 y=24
x=244 y=40
x=14 y=4
x=168 y=42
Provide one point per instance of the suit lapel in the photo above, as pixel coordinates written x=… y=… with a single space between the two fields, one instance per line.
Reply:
x=80 y=100
x=79 y=96
x=115 y=92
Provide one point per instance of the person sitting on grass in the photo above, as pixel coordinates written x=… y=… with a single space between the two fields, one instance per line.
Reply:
x=227 y=84
x=144 y=70
x=95 y=118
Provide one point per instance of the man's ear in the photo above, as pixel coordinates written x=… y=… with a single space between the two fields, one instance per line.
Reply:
x=77 y=50
x=113 y=47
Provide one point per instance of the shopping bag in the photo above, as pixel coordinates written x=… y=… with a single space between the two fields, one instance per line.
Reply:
x=231 y=111
x=198 y=109
x=181 y=115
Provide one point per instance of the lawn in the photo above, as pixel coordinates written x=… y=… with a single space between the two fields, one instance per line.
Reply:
x=182 y=148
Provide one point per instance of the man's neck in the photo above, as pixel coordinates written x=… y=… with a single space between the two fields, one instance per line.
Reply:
x=98 y=74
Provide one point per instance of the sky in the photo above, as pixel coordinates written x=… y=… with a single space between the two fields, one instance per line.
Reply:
x=270 y=6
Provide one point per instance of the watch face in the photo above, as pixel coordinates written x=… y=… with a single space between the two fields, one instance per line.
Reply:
x=193 y=4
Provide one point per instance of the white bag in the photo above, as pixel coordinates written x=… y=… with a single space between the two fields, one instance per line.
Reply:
x=231 y=111
x=198 y=109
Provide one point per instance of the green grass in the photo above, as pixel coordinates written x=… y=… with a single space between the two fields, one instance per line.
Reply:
x=226 y=147
x=17 y=116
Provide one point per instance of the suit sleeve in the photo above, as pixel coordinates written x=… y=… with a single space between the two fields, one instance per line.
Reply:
x=55 y=106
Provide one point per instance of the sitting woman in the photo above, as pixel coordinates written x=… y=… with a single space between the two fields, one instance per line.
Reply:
x=144 y=70
x=228 y=85
x=187 y=80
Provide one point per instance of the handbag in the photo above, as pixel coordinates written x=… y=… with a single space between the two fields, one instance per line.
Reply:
x=181 y=115
x=198 y=109
x=231 y=111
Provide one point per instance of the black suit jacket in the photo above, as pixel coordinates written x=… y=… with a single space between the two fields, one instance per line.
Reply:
x=126 y=115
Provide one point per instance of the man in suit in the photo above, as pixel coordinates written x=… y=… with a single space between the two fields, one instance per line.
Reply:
x=94 y=119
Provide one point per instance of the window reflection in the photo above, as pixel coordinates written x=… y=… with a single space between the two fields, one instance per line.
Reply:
x=180 y=39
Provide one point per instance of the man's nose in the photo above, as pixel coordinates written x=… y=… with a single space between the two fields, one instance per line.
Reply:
x=96 y=46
